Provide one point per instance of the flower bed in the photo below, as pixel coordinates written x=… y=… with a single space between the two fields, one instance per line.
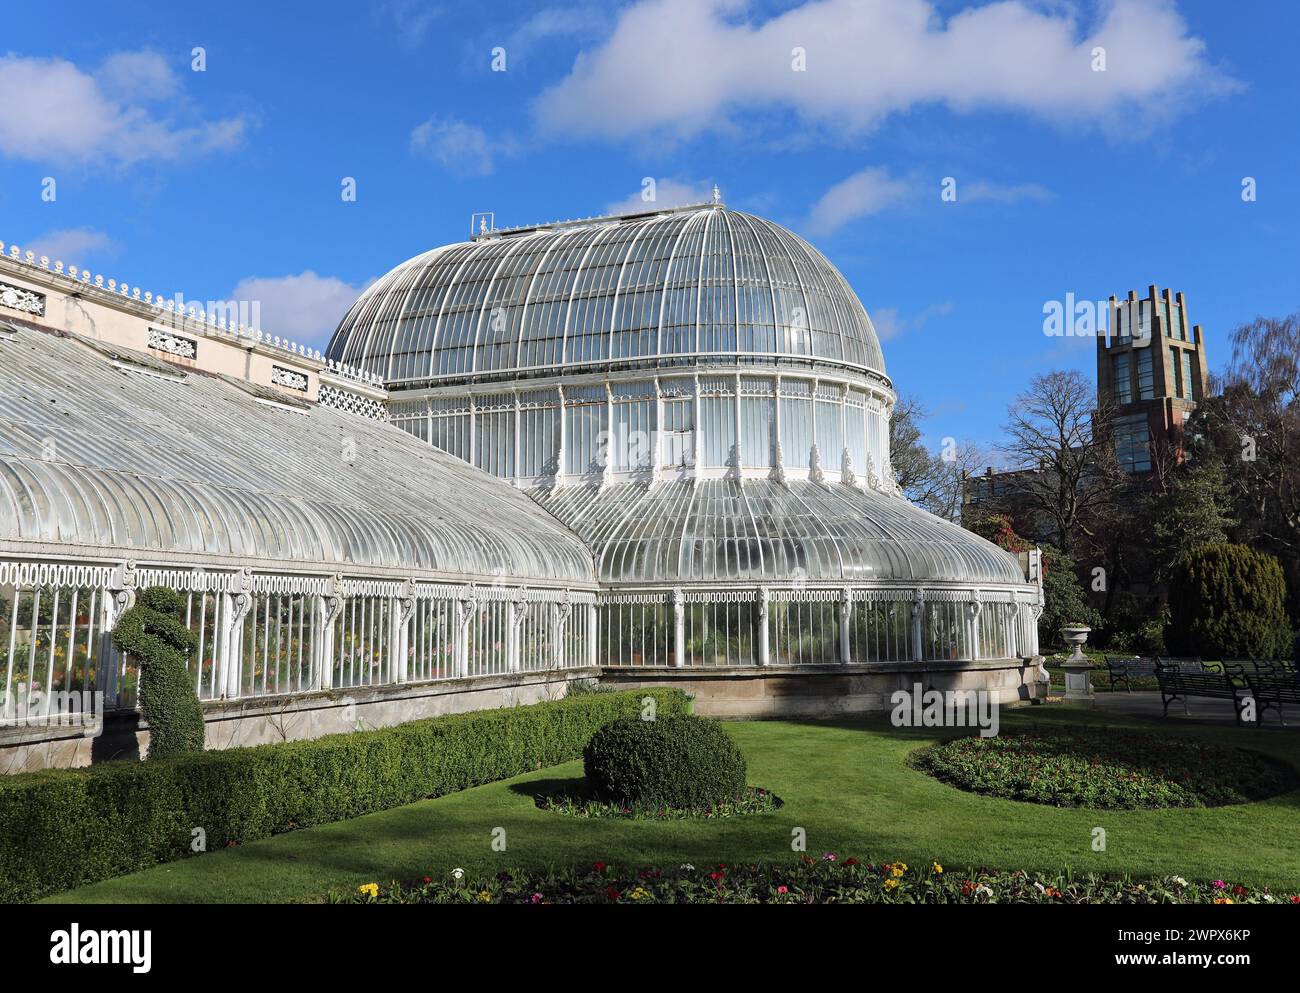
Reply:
x=753 y=801
x=1109 y=770
x=810 y=880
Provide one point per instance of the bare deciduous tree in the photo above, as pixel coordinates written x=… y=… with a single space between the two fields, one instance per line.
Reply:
x=933 y=480
x=1061 y=436
x=1262 y=391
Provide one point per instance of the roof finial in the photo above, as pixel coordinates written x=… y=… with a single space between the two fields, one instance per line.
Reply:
x=717 y=194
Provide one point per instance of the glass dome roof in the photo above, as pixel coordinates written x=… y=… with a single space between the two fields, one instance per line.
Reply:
x=692 y=285
x=722 y=531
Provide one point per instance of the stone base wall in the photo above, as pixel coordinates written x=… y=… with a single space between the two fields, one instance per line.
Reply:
x=238 y=723
x=834 y=690
x=806 y=691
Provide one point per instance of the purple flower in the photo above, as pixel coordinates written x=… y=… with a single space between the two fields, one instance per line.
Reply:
x=1219 y=884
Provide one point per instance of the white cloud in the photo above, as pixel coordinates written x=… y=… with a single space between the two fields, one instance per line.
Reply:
x=460 y=147
x=890 y=324
x=668 y=193
x=995 y=193
x=54 y=112
x=142 y=76
x=304 y=308
x=679 y=67
x=412 y=17
x=551 y=23
x=75 y=246
x=862 y=194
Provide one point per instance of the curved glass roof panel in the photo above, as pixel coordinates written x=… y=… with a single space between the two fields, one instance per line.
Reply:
x=734 y=531
x=700 y=284
x=121 y=462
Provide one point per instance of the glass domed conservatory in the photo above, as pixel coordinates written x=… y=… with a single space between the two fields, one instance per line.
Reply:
x=698 y=395
x=648 y=448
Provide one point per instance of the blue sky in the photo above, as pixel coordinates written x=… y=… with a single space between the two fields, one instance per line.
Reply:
x=226 y=183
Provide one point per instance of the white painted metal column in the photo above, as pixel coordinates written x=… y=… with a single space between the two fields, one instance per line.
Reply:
x=973 y=613
x=918 y=618
x=466 y=614
x=846 y=625
x=112 y=605
x=327 y=608
x=399 y=638
x=518 y=611
x=764 y=648
x=679 y=628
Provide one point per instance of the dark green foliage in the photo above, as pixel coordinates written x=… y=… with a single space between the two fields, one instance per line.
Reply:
x=1228 y=601
x=1136 y=626
x=152 y=632
x=1064 y=601
x=1194 y=512
x=670 y=762
x=63 y=828
x=1114 y=769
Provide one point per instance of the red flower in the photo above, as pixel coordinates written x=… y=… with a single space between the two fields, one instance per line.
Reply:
x=1239 y=891
x=850 y=861
x=600 y=866
x=1296 y=899
x=612 y=893
x=428 y=879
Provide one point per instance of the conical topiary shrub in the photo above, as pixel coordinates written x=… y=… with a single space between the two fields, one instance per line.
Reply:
x=1228 y=601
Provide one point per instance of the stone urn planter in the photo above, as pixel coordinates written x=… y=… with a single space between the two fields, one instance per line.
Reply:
x=1078 y=670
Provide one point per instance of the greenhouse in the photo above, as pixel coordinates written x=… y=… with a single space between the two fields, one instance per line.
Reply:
x=699 y=395
x=650 y=446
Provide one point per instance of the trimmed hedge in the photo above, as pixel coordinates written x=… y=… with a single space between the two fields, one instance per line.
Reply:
x=667 y=763
x=152 y=632
x=1228 y=601
x=64 y=828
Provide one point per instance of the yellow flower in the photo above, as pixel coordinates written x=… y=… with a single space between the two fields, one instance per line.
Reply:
x=638 y=894
x=938 y=869
x=484 y=896
x=369 y=889
x=1223 y=899
x=891 y=884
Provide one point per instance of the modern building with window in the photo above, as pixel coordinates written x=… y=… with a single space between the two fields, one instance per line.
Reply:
x=1151 y=372
x=644 y=448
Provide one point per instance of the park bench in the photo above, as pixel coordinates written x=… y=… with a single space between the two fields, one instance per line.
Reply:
x=1121 y=670
x=1274 y=689
x=1191 y=663
x=1239 y=669
x=1182 y=681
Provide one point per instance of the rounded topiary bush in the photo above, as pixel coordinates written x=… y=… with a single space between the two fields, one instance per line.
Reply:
x=671 y=762
x=1228 y=601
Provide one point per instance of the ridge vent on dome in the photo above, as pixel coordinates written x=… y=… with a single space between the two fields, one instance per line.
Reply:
x=575 y=222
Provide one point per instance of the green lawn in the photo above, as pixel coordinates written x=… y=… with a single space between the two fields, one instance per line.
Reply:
x=847 y=784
